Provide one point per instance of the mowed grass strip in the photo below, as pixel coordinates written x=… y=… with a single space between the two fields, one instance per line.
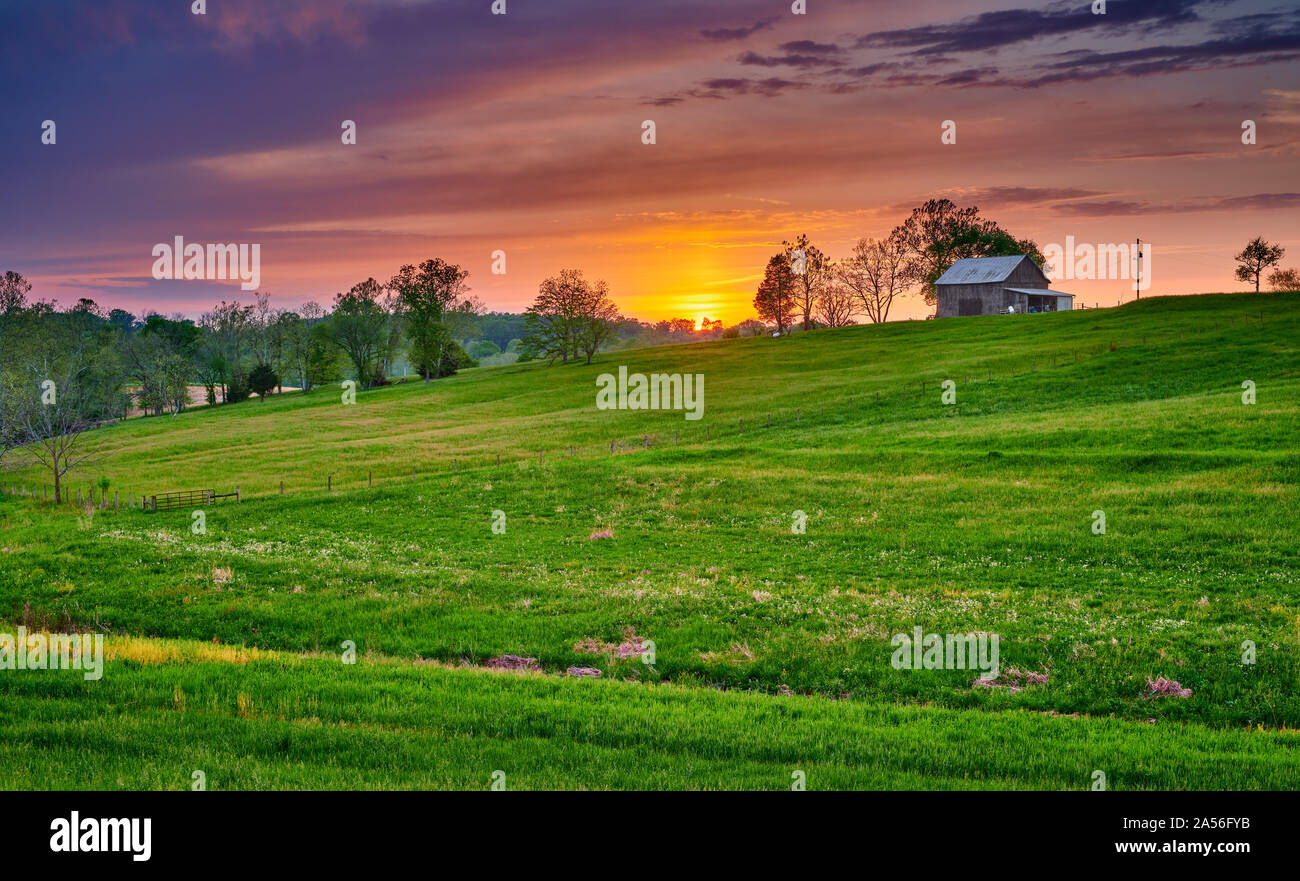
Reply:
x=283 y=722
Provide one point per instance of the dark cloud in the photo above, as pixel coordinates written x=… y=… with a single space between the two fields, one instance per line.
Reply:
x=992 y=30
x=1255 y=202
x=723 y=35
x=802 y=62
x=769 y=87
x=811 y=48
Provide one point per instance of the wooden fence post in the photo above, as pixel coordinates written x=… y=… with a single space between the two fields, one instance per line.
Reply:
x=370 y=475
x=646 y=444
x=329 y=483
x=282 y=486
x=238 y=497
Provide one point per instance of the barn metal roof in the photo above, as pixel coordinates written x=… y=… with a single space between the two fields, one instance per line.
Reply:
x=1039 y=291
x=980 y=270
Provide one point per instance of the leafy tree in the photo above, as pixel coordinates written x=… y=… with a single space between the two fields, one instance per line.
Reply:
x=597 y=320
x=938 y=233
x=570 y=315
x=13 y=293
x=1257 y=256
x=229 y=328
x=55 y=384
x=483 y=349
x=359 y=327
x=262 y=380
x=428 y=295
x=775 y=300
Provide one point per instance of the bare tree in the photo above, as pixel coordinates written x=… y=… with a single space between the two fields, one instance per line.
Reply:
x=48 y=405
x=812 y=271
x=876 y=273
x=837 y=303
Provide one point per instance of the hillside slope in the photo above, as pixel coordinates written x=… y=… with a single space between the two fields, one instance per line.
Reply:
x=971 y=517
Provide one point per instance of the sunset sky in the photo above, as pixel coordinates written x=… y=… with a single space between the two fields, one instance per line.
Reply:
x=522 y=132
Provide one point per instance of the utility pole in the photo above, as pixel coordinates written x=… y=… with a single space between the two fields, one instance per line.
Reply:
x=1138 y=290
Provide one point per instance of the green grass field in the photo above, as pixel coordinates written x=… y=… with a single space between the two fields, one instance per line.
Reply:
x=771 y=649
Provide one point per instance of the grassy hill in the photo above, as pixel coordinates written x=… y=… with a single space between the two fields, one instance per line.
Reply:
x=771 y=649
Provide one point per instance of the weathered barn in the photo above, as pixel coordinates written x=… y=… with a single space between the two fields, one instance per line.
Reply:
x=992 y=285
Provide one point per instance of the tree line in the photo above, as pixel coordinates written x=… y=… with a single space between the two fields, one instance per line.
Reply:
x=802 y=284
x=65 y=371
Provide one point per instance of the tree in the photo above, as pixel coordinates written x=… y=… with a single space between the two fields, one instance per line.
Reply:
x=13 y=293
x=55 y=384
x=875 y=274
x=161 y=360
x=775 y=300
x=938 y=233
x=1257 y=256
x=811 y=269
x=427 y=294
x=1284 y=280
x=229 y=326
x=597 y=320
x=359 y=326
x=307 y=346
x=570 y=315
x=836 y=304
x=262 y=380
x=483 y=349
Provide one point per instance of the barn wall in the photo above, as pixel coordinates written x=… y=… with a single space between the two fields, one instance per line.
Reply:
x=976 y=299
x=1026 y=275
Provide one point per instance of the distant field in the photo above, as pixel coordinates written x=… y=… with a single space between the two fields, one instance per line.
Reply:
x=772 y=649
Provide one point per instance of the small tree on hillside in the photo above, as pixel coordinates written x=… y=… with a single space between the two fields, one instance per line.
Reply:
x=570 y=315
x=812 y=273
x=597 y=320
x=876 y=273
x=1257 y=256
x=262 y=380
x=775 y=300
x=427 y=294
x=359 y=326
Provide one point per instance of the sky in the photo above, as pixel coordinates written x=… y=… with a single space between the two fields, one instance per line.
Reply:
x=523 y=133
